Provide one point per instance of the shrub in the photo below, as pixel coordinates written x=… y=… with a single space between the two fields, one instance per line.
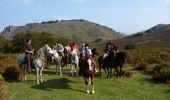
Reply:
x=142 y=66
x=130 y=46
x=98 y=40
x=161 y=73
x=127 y=73
x=4 y=95
x=11 y=73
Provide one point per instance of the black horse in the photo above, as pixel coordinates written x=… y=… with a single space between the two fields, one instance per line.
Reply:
x=113 y=60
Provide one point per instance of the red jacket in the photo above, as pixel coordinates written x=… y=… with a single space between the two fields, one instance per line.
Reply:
x=73 y=46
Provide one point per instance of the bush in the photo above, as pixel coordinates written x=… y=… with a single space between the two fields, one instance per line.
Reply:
x=130 y=46
x=142 y=66
x=11 y=73
x=127 y=74
x=98 y=40
x=4 y=94
x=161 y=73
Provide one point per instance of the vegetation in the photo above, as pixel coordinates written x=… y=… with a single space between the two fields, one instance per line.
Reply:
x=11 y=73
x=65 y=87
x=78 y=30
x=152 y=61
x=130 y=46
x=39 y=39
x=98 y=40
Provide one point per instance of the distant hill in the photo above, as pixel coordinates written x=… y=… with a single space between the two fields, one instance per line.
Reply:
x=77 y=30
x=157 y=36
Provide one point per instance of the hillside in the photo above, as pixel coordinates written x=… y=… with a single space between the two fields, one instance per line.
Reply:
x=77 y=30
x=157 y=36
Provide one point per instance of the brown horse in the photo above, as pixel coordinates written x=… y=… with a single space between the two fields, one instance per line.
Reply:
x=87 y=70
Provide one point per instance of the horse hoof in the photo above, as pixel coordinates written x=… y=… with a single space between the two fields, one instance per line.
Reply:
x=87 y=91
x=93 y=92
x=38 y=83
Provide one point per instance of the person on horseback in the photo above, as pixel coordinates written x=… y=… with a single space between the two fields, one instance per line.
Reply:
x=73 y=46
x=109 y=47
x=28 y=49
x=87 y=55
x=59 y=48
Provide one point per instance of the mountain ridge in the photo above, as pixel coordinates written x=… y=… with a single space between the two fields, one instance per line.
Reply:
x=79 y=29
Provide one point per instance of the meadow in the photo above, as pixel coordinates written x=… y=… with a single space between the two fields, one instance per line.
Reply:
x=140 y=86
x=66 y=87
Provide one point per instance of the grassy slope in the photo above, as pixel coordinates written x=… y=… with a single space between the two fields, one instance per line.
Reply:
x=57 y=87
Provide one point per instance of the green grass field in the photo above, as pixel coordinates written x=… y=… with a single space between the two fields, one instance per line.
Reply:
x=66 y=87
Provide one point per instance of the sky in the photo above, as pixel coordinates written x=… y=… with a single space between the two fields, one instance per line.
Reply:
x=126 y=16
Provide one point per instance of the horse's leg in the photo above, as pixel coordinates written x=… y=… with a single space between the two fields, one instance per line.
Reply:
x=72 y=69
x=116 y=70
x=60 y=69
x=111 y=72
x=77 y=69
x=41 y=70
x=108 y=72
x=56 y=67
x=86 y=83
x=24 y=74
x=92 y=82
x=37 y=76
x=121 y=70
x=100 y=73
x=21 y=75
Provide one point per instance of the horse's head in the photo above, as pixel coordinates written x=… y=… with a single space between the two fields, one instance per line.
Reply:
x=122 y=55
x=47 y=49
x=94 y=52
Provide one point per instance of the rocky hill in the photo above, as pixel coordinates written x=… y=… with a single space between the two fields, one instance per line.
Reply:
x=77 y=30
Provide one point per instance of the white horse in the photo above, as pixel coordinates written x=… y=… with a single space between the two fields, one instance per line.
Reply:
x=74 y=62
x=56 y=59
x=38 y=62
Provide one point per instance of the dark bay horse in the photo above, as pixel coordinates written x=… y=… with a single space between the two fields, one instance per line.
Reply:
x=113 y=60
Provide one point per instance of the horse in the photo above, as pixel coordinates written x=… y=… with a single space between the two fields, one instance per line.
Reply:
x=101 y=66
x=54 y=57
x=22 y=62
x=87 y=68
x=38 y=63
x=114 y=60
x=88 y=71
x=119 y=62
x=74 y=62
x=67 y=56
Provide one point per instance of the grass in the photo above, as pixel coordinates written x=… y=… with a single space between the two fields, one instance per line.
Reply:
x=66 y=87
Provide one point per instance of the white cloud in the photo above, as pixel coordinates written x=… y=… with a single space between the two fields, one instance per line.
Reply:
x=79 y=1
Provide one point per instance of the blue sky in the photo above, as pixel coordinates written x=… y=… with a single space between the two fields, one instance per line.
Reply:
x=127 y=16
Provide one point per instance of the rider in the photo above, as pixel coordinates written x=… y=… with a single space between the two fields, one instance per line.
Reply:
x=73 y=46
x=88 y=55
x=109 y=47
x=28 y=49
x=59 y=48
